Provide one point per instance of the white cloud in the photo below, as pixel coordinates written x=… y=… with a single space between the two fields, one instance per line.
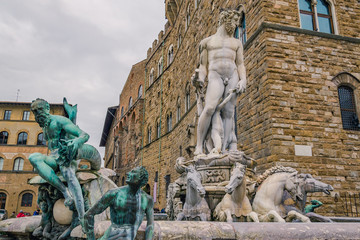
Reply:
x=81 y=49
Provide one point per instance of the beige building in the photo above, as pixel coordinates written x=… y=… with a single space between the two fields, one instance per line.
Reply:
x=20 y=136
x=301 y=106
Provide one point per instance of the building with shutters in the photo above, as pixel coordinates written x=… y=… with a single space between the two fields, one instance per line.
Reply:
x=20 y=136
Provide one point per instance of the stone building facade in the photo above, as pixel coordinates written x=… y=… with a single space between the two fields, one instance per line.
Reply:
x=20 y=136
x=122 y=133
x=301 y=106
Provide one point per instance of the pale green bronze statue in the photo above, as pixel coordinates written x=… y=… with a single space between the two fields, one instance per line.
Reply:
x=311 y=207
x=128 y=205
x=66 y=143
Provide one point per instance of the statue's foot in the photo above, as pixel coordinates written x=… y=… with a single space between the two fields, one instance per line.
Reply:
x=68 y=198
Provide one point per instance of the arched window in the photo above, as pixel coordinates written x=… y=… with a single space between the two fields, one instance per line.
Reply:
x=41 y=139
x=149 y=134
x=2 y=200
x=316 y=17
x=187 y=98
x=160 y=66
x=197 y=2
x=170 y=57
x=1 y=163
x=178 y=111
x=240 y=31
x=122 y=111
x=22 y=138
x=179 y=40
x=169 y=122
x=158 y=129
x=18 y=164
x=151 y=77
x=130 y=102
x=187 y=17
x=26 y=200
x=140 y=91
x=3 y=137
x=349 y=117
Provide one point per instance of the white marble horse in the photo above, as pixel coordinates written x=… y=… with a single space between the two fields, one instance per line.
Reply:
x=235 y=202
x=308 y=184
x=195 y=205
x=268 y=199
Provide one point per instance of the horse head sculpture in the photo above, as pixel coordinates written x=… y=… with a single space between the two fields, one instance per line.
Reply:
x=237 y=177
x=195 y=205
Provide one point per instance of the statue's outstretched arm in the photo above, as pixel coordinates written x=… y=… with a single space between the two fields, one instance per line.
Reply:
x=99 y=207
x=241 y=69
x=149 y=232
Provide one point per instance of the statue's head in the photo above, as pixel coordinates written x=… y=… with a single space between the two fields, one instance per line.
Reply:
x=41 y=110
x=137 y=176
x=230 y=18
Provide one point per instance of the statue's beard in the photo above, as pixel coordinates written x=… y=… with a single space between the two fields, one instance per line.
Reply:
x=43 y=119
x=230 y=28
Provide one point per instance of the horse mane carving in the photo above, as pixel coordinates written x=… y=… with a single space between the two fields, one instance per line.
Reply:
x=273 y=170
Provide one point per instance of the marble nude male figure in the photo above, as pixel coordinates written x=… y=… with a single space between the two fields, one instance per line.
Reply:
x=66 y=143
x=128 y=205
x=221 y=61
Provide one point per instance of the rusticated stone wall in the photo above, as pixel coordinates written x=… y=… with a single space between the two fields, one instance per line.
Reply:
x=291 y=102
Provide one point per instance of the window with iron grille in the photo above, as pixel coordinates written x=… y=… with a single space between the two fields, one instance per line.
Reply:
x=26 y=200
x=7 y=114
x=349 y=117
x=3 y=137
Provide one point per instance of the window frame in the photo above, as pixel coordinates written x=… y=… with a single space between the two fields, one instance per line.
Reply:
x=19 y=161
x=3 y=138
x=315 y=16
x=43 y=141
x=26 y=116
x=2 y=160
x=26 y=200
x=22 y=138
x=7 y=115
x=346 y=125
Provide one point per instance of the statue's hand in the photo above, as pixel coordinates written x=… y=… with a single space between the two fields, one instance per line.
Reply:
x=73 y=146
x=241 y=86
x=196 y=81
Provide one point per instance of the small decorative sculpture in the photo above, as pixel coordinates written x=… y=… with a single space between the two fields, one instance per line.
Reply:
x=195 y=205
x=128 y=204
x=311 y=207
x=66 y=143
x=268 y=199
x=221 y=61
x=235 y=202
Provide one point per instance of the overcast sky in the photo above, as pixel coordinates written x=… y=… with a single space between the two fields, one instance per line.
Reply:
x=80 y=49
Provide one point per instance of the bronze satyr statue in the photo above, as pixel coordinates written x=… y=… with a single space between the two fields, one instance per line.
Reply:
x=128 y=204
x=66 y=143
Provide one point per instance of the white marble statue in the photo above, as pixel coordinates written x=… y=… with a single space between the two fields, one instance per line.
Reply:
x=222 y=63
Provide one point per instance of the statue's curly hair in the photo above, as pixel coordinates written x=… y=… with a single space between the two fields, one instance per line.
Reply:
x=227 y=13
x=40 y=101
